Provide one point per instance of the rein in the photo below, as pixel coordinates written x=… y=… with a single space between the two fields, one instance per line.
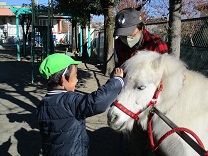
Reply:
x=135 y=115
x=199 y=148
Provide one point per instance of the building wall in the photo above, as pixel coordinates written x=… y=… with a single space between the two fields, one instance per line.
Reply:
x=9 y=24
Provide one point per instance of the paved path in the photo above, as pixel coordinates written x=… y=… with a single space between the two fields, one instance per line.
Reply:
x=18 y=101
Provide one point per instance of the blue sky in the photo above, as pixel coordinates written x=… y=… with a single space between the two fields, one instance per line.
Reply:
x=98 y=19
x=20 y=2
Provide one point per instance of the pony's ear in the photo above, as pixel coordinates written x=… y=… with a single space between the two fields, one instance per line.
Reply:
x=155 y=64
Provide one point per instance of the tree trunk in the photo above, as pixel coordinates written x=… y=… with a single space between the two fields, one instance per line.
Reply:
x=174 y=40
x=84 y=43
x=109 y=63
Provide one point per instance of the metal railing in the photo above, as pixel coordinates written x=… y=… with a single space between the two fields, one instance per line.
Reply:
x=10 y=35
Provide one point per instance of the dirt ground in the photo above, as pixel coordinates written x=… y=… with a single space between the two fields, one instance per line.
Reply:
x=18 y=101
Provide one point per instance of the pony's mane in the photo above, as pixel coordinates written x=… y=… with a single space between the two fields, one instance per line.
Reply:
x=139 y=58
x=173 y=64
x=169 y=62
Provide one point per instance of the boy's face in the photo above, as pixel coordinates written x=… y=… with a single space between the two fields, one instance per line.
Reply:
x=71 y=83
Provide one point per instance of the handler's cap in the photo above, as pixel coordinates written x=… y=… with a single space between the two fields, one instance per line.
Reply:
x=126 y=22
x=55 y=63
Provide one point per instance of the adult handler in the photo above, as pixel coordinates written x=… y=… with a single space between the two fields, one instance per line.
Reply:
x=133 y=37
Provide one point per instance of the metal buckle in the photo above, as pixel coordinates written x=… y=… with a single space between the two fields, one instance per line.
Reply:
x=151 y=113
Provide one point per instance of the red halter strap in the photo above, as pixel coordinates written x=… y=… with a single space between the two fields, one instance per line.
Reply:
x=153 y=101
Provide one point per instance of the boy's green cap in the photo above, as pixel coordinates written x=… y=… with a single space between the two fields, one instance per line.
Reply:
x=55 y=63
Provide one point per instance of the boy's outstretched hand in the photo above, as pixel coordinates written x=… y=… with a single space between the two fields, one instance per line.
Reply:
x=118 y=72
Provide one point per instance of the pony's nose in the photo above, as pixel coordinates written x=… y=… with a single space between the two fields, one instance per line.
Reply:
x=112 y=119
x=110 y=113
x=111 y=116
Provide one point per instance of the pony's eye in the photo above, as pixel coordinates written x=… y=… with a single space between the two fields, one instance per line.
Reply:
x=141 y=87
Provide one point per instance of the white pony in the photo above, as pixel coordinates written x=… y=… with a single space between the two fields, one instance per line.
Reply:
x=184 y=100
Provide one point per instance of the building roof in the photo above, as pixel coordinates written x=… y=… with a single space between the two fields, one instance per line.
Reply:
x=6 y=12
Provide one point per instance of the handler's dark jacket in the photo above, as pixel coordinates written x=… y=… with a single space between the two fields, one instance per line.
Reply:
x=61 y=116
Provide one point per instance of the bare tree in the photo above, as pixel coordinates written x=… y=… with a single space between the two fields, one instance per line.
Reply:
x=174 y=40
x=109 y=63
x=176 y=9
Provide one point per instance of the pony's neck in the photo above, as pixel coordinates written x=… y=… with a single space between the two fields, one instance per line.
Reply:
x=173 y=80
x=178 y=91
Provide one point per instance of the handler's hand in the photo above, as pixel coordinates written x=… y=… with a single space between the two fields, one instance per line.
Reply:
x=118 y=72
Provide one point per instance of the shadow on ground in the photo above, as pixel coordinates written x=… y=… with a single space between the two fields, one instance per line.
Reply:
x=107 y=142
x=15 y=80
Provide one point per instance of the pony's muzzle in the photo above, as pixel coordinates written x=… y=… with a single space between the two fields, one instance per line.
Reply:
x=111 y=116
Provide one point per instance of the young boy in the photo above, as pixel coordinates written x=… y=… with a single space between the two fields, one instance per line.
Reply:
x=62 y=112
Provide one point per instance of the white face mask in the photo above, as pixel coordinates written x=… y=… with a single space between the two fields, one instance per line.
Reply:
x=131 y=41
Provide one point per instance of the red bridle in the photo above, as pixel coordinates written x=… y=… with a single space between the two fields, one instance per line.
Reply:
x=153 y=101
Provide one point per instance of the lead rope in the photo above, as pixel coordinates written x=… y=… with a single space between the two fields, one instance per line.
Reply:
x=177 y=129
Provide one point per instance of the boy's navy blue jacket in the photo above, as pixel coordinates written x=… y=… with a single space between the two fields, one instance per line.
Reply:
x=61 y=116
